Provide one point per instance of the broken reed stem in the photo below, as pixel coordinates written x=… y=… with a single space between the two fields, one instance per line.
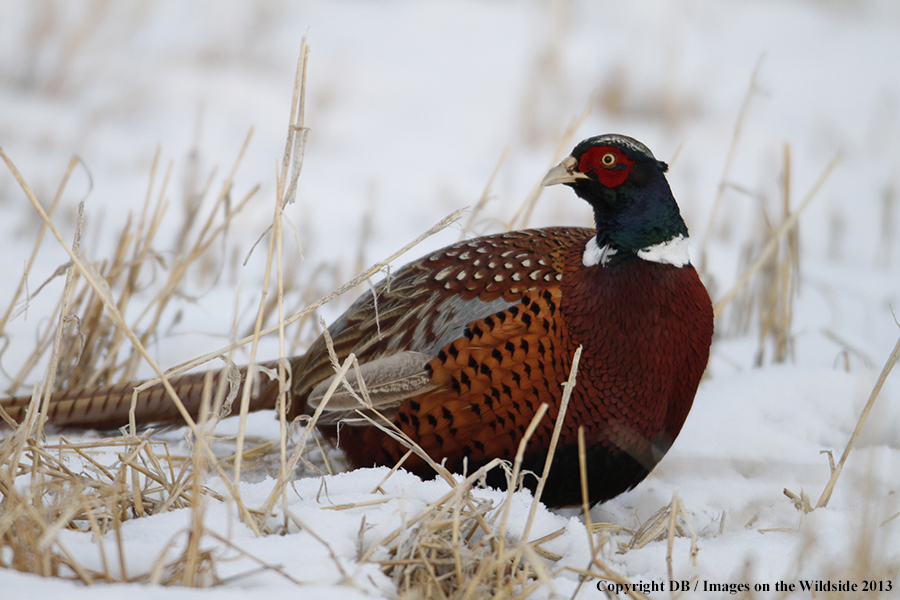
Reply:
x=585 y=501
x=789 y=269
x=568 y=387
x=39 y=240
x=393 y=470
x=523 y=215
x=30 y=363
x=291 y=159
x=585 y=505
x=57 y=340
x=670 y=537
x=295 y=145
x=198 y=508
x=517 y=465
x=454 y=534
x=251 y=373
x=554 y=441
x=732 y=151
x=772 y=245
x=829 y=487
x=777 y=283
x=254 y=346
x=483 y=200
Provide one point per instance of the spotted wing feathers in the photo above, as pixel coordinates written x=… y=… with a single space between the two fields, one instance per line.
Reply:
x=388 y=382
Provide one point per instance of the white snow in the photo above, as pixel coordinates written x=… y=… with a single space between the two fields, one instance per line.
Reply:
x=410 y=106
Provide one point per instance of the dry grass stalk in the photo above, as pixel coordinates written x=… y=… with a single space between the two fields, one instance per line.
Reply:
x=187 y=256
x=777 y=284
x=517 y=463
x=888 y=229
x=39 y=239
x=100 y=497
x=568 y=387
x=665 y=521
x=91 y=359
x=836 y=472
x=800 y=502
x=485 y=197
x=726 y=169
x=523 y=214
x=586 y=512
x=295 y=146
x=771 y=245
x=293 y=160
x=97 y=497
x=585 y=502
x=57 y=340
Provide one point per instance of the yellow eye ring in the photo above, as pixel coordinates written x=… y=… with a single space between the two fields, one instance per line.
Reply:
x=608 y=159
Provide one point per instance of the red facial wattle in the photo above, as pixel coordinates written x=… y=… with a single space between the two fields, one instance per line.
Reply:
x=609 y=164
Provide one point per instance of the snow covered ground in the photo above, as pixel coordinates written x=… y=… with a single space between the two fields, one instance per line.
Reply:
x=410 y=106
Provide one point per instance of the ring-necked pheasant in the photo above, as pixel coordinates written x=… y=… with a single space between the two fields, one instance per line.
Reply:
x=467 y=342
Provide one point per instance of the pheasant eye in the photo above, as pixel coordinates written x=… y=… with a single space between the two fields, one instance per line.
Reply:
x=608 y=159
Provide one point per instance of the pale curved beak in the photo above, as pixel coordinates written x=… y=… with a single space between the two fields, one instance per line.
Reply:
x=564 y=172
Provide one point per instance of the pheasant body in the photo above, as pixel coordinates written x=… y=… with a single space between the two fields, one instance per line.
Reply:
x=643 y=355
x=460 y=348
